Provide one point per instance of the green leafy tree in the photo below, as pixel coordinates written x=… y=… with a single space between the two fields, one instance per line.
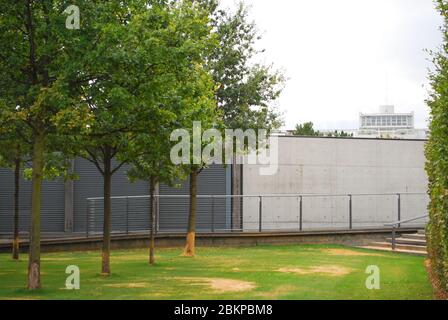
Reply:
x=195 y=92
x=138 y=60
x=184 y=93
x=246 y=91
x=306 y=129
x=437 y=159
x=38 y=72
x=115 y=109
x=152 y=163
x=203 y=110
x=339 y=134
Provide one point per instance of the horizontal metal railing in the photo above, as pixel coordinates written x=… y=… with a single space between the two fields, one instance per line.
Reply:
x=257 y=213
x=288 y=195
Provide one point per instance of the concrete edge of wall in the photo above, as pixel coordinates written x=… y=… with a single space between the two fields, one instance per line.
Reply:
x=341 y=237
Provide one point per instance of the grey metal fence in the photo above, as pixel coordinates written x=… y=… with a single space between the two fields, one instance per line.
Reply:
x=258 y=213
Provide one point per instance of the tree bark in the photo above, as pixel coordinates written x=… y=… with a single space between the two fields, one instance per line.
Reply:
x=107 y=211
x=15 y=242
x=34 y=251
x=152 y=214
x=189 y=250
x=236 y=191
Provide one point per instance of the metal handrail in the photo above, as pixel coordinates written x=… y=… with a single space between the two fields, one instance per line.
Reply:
x=397 y=224
x=292 y=195
x=261 y=197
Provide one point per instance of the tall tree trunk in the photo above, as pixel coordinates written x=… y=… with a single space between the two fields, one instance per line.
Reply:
x=152 y=214
x=236 y=172
x=107 y=211
x=189 y=250
x=34 y=254
x=15 y=242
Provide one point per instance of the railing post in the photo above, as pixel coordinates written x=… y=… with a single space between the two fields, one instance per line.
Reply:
x=260 y=213
x=213 y=214
x=350 y=213
x=399 y=209
x=393 y=238
x=87 y=218
x=127 y=215
x=157 y=207
x=301 y=214
x=241 y=224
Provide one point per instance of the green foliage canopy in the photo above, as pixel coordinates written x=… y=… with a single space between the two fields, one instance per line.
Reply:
x=437 y=158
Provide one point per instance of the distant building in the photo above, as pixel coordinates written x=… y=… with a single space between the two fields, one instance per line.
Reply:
x=388 y=124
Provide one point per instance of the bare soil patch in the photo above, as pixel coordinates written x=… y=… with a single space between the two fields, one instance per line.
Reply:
x=220 y=284
x=130 y=285
x=326 y=270
x=139 y=257
x=351 y=253
x=277 y=292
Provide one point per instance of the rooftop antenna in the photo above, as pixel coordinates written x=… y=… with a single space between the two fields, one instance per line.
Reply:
x=387 y=89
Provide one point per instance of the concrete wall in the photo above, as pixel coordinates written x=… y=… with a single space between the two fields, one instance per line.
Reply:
x=334 y=166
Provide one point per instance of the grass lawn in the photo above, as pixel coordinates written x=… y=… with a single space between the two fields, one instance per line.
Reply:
x=263 y=272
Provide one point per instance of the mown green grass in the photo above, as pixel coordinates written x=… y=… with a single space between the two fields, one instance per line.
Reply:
x=402 y=276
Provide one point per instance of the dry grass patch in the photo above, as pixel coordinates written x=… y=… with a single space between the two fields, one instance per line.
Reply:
x=130 y=285
x=220 y=284
x=277 y=292
x=350 y=253
x=154 y=295
x=326 y=270
x=49 y=259
x=142 y=257
x=23 y=298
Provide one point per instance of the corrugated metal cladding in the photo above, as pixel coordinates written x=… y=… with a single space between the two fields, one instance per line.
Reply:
x=211 y=214
x=127 y=215
x=52 y=219
x=133 y=214
x=90 y=185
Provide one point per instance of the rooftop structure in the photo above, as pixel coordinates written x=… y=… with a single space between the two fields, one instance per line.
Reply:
x=388 y=124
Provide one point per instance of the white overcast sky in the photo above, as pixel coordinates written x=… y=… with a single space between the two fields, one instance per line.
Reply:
x=343 y=57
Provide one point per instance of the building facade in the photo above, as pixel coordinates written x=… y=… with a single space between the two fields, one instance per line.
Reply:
x=311 y=187
x=388 y=124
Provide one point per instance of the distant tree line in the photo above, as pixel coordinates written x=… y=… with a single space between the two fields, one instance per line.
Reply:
x=307 y=129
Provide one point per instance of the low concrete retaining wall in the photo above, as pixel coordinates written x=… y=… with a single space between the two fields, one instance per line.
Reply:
x=344 y=237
